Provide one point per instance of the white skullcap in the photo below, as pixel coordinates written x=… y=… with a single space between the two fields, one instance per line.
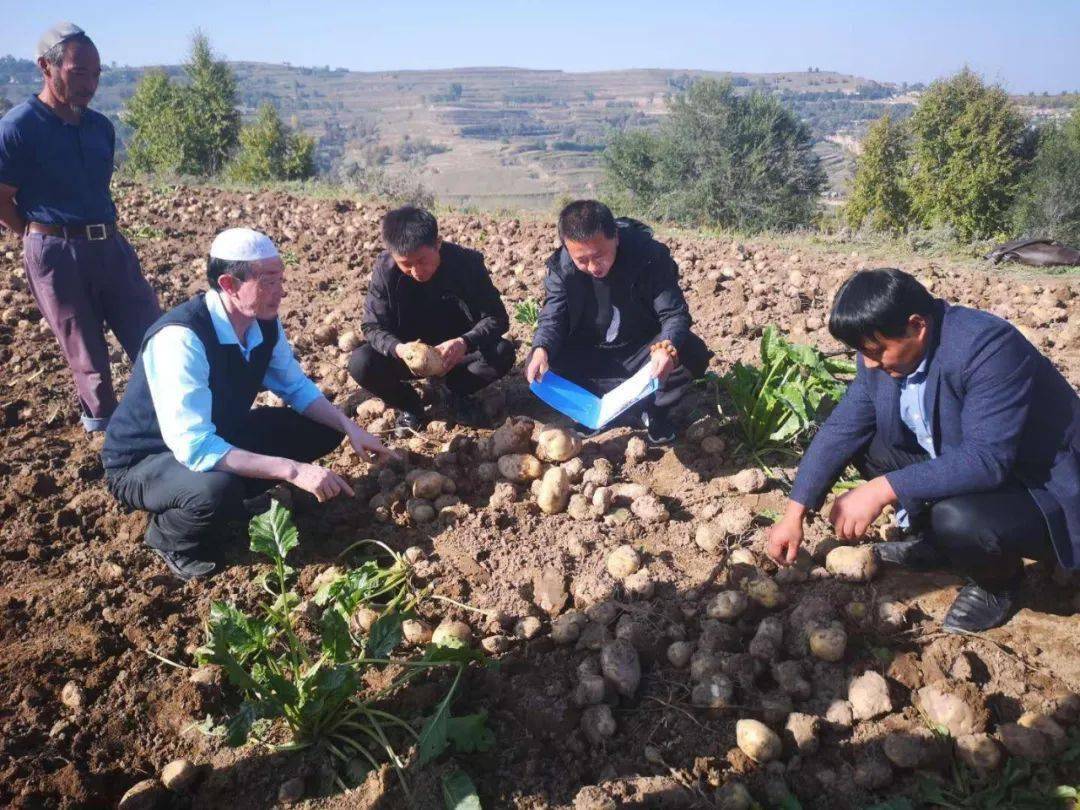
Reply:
x=61 y=32
x=242 y=245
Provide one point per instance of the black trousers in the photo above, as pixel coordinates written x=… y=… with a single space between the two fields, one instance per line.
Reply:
x=983 y=535
x=598 y=369
x=188 y=508
x=388 y=377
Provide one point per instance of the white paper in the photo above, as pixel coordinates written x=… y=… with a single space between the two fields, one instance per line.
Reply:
x=626 y=394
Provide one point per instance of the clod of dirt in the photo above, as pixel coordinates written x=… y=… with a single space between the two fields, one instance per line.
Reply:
x=852 y=563
x=790 y=678
x=602 y=498
x=72 y=696
x=764 y=590
x=520 y=467
x=590 y=690
x=347 y=341
x=487 y=471
x=733 y=796
x=1025 y=742
x=370 y=409
x=749 y=480
x=768 y=639
x=416 y=632
x=709 y=537
x=549 y=590
x=623 y=562
x=910 y=749
x=775 y=707
x=959 y=708
x=713 y=445
x=567 y=628
x=869 y=696
x=495 y=645
x=513 y=436
x=554 y=491
x=801 y=732
x=598 y=723
x=727 y=606
x=679 y=652
x=291 y=791
x=145 y=795
x=621 y=666
x=1067 y=708
x=600 y=473
x=451 y=632
x=602 y=612
x=636 y=450
x=828 y=641
x=979 y=751
x=702 y=428
x=179 y=775
x=649 y=509
x=715 y=691
x=527 y=627
x=557 y=444
x=640 y=584
x=704 y=663
x=1048 y=726
x=422 y=360
x=757 y=740
x=892 y=615
x=736 y=520
x=840 y=714
x=873 y=772
x=579 y=507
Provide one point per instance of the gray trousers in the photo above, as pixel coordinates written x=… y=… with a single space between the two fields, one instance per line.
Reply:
x=82 y=286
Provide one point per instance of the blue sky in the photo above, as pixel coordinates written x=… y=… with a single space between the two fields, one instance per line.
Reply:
x=1028 y=46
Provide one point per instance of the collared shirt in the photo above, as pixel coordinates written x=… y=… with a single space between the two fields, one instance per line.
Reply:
x=178 y=375
x=913 y=415
x=61 y=171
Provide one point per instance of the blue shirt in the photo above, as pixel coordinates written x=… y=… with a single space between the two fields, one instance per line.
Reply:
x=61 y=171
x=913 y=415
x=178 y=375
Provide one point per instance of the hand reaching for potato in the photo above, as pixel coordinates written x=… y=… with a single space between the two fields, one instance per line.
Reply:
x=452 y=353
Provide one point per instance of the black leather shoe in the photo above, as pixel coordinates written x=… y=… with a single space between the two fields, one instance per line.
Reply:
x=977 y=608
x=916 y=554
x=408 y=423
x=658 y=426
x=184 y=567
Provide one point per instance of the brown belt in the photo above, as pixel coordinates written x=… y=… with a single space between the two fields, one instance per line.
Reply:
x=94 y=233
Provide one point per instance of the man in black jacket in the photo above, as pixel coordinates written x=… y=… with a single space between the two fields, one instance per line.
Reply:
x=425 y=289
x=612 y=304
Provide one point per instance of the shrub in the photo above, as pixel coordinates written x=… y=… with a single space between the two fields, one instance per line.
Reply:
x=270 y=151
x=879 y=195
x=1048 y=204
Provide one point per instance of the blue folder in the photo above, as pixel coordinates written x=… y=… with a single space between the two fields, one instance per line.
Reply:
x=587 y=409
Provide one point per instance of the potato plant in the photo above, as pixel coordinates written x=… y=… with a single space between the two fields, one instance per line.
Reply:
x=527 y=312
x=776 y=405
x=315 y=687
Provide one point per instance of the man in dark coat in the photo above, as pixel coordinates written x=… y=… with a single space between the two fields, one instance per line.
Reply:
x=958 y=421
x=612 y=304
x=425 y=289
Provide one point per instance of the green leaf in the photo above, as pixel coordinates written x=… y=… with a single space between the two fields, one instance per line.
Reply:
x=434 y=737
x=459 y=792
x=337 y=644
x=437 y=654
x=470 y=733
x=273 y=533
x=240 y=725
x=385 y=634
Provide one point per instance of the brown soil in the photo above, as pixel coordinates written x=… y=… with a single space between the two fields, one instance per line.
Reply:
x=83 y=601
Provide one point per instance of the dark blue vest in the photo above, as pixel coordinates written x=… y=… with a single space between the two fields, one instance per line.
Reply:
x=134 y=433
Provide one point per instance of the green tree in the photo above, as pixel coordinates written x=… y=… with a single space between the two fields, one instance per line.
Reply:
x=269 y=151
x=1048 y=204
x=967 y=139
x=742 y=162
x=186 y=129
x=879 y=195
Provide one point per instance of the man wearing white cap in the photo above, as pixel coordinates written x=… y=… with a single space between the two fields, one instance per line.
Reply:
x=56 y=161
x=185 y=444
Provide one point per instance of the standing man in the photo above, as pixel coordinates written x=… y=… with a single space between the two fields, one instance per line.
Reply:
x=185 y=443
x=955 y=418
x=612 y=304
x=425 y=289
x=56 y=161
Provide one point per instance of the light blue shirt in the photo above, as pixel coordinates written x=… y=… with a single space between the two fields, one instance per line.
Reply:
x=178 y=375
x=913 y=415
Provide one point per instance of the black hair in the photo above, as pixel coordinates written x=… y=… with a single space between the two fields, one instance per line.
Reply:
x=581 y=220
x=408 y=228
x=874 y=302
x=216 y=268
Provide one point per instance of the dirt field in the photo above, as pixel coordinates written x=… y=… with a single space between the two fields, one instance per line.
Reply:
x=83 y=602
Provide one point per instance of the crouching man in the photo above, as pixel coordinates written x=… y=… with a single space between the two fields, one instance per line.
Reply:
x=425 y=289
x=185 y=443
x=612 y=304
x=962 y=424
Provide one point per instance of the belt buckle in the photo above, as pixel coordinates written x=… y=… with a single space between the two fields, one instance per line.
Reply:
x=91 y=230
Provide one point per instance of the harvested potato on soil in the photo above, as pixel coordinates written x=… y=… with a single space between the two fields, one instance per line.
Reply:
x=715 y=691
x=422 y=360
x=623 y=562
x=416 y=632
x=420 y=511
x=451 y=633
x=554 y=491
x=757 y=740
x=649 y=509
x=520 y=467
x=828 y=641
x=747 y=481
x=764 y=590
x=852 y=563
x=979 y=751
x=727 y=605
x=621 y=666
x=557 y=444
x=428 y=485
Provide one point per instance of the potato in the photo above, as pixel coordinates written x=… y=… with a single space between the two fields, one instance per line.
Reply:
x=362 y=620
x=488 y=471
x=789 y=677
x=554 y=491
x=828 y=641
x=422 y=360
x=416 y=632
x=649 y=509
x=734 y=796
x=598 y=723
x=736 y=520
x=621 y=666
x=640 y=584
x=709 y=537
x=419 y=510
x=679 y=652
x=727 y=606
x=557 y=444
x=764 y=591
x=348 y=341
x=747 y=481
x=1049 y=727
x=623 y=562
x=757 y=740
x=1026 y=743
x=978 y=751
x=566 y=629
x=452 y=633
x=768 y=639
x=512 y=436
x=520 y=467
x=713 y=445
x=714 y=692
x=635 y=450
x=427 y=485
x=853 y=563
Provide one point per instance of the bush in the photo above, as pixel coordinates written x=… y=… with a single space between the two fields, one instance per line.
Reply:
x=967 y=140
x=1048 y=204
x=720 y=159
x=879 y=196
x=269 y=151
